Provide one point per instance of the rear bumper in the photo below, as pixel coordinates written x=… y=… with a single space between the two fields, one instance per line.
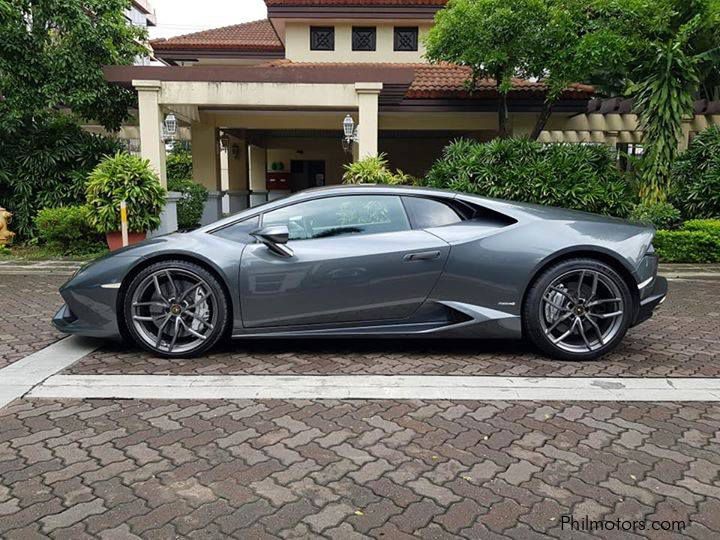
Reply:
x=652 y=300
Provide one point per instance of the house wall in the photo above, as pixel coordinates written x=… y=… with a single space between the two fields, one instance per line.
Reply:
x=297 y=43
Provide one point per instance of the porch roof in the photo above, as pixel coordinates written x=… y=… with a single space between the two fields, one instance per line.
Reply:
x=406 y=83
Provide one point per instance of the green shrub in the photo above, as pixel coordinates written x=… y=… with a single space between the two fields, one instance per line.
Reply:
x=68 y=230
x=45 y=165
x=582 y=177
x=709 y=226
x=659 y=215
x=125 y=178
x=179 y=165
x=374 y=170
x=190 y=207
x=687 y=247
x=696 y=177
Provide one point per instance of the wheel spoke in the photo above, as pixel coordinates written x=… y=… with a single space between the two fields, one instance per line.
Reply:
x=193 y=332
x=593 y=290
x=605 y=301
x=158 y=289
x=553 y=304
x=199 y=319
x=597 y=330
x=149 y=319
x=161 y=329
x=201 y=300
x=176 y=334
x=580 y=282
x=606 y=315
x=566 y=334
x=172 y=283
x=559 y=321
x=582 y=334
x=191 y=289
x=150 y=304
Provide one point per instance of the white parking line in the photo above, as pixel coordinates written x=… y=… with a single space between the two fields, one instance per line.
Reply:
x=378 y=387
x=21 y=376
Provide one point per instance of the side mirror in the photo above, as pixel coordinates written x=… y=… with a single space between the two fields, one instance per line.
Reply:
x=275 y=238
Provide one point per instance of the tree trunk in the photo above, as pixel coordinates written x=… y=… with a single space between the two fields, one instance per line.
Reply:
x=503 y=131
x=542 y=120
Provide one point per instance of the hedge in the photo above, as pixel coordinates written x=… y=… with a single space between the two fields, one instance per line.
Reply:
x=68 y=231
x=582 y=177
x=697 y=242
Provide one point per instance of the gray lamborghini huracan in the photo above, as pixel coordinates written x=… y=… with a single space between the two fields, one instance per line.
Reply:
x=376 y=261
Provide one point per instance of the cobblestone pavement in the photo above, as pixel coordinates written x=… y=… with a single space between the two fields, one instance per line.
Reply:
x=353 y=469
x=27 y=303
x=682 y=340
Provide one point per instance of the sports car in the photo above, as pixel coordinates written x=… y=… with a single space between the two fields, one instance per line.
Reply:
x=376 y=261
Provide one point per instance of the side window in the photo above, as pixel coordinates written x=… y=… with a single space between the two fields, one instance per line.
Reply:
x=426 y=213
x=364 y=38
x=240 y=231
x=406 y=38
x=322 y=38
x=337 y=216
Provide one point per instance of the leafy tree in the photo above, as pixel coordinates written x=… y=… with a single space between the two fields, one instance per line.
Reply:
x=45 y=165
x=496 y=39
x=557 y=41
x=51 y=58
x=52 y=53
x=671 y=73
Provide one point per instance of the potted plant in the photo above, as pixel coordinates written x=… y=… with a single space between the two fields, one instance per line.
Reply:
x=128 y=178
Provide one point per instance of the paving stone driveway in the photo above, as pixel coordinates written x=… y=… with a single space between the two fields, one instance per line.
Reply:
x=27 y=303
x=353 y=469
x=682 y=340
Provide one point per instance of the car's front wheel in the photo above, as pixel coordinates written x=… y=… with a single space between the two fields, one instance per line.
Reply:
x=578 y=309
x=175 y=309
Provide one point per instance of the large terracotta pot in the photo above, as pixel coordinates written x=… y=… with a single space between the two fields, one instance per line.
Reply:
x=114 y=239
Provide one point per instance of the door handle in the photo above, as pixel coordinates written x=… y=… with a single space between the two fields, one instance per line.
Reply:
x=424 y=256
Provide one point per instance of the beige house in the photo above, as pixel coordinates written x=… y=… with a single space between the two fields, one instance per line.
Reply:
x=264 y=102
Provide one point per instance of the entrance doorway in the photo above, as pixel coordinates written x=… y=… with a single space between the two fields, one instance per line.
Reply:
x=305 y=174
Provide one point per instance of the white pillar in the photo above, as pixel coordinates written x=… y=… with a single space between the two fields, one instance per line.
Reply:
x=257 y=158
x=368 y=98
x=206 y=168
x=152 y=147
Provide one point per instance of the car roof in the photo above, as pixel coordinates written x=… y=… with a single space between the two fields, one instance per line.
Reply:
x=328 y=191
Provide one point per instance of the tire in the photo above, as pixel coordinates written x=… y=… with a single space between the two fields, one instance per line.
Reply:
x=562 y=300
x=175 y=309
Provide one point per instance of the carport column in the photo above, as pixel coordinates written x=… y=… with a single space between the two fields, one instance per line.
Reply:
x=238 y=187
x=206 y=168
x=152 y=147
x=368 y=97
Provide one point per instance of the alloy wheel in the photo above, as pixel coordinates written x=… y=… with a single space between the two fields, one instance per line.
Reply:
x=582 y=310
x=174 y=310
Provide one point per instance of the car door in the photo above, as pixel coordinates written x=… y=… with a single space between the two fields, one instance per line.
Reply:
x=355 y=260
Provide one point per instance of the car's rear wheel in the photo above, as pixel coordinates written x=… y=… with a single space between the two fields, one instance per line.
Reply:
x=175 y=309
x=579 y=309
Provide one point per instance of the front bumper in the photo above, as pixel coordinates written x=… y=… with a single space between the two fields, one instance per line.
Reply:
x=648 y=304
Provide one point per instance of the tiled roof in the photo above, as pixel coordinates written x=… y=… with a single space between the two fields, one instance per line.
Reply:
x=253 y=36
x=447 y=81
x=356 y=3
